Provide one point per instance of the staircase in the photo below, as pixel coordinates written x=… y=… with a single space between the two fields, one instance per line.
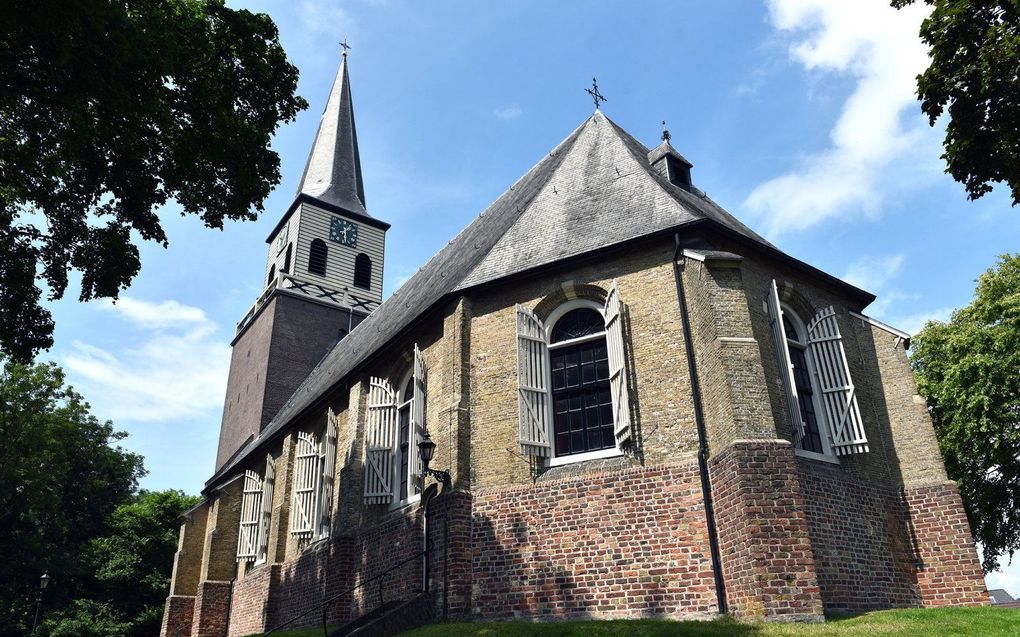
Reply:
x=391 y=618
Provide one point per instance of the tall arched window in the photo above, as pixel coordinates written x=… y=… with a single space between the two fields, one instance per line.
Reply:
x=286 y=259
x=814 y=439
x=363 y=271
x=582 y=405
x=317 y=255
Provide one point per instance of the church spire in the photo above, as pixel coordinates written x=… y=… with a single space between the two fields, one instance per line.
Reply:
x=333 y=171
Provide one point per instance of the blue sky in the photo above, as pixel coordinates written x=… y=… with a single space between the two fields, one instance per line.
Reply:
x=799 y=117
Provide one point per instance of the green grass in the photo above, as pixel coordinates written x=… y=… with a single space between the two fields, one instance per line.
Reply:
x=949 y=622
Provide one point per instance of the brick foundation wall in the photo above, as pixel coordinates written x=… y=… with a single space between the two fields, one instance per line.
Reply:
x=249 y=602
x=630 y=543
x=767 y=562
x=211 y=607
x=394 y=539
x=177 y=616
x=949 y=572
x=864 y=556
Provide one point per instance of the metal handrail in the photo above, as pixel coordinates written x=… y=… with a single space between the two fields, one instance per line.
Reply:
x=324 y=603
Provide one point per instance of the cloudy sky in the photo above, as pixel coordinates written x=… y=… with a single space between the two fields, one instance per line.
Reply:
x=799 y=116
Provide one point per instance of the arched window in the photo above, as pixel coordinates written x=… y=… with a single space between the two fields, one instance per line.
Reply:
x=404 y=449
x=814 y=440
x=573 y=401
x=317 y=255
x=363 y=271
x=272 y=274
x=286 y=259
x=582 y=406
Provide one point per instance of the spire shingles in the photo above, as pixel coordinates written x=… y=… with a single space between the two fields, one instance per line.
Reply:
x=333 y=171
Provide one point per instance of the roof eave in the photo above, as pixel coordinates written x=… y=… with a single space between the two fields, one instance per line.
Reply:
x=325 y=205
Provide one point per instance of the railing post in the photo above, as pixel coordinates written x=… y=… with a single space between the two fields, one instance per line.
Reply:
x=324 y=634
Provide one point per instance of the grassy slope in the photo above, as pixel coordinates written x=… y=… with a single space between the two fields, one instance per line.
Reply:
x=949 y=622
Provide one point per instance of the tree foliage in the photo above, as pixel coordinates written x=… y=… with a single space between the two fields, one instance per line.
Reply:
x=975 y=54
x=110 y=109
x=60 y=481
x=968 y=369
x=129 y=570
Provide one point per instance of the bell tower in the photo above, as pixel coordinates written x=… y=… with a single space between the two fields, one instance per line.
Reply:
x=323 y=276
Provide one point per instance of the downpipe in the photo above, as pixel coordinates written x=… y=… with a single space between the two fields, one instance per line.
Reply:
x=699 y=419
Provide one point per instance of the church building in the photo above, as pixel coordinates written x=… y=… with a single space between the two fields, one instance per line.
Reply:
x=606 y=397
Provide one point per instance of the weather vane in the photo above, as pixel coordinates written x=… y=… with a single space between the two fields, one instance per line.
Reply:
x=594 y=92
x=346 y=47
x=665 y=132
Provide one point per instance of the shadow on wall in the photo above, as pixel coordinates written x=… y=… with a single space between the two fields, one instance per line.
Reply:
x=559 y=566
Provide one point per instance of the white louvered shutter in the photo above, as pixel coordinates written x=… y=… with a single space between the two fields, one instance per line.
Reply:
x=532 y=385
x=613 y=315
x=251 y=511
x=306 y=482
x=380 y=442
x=268 y=484
x=417 y=423
x=328 y=472
x=785 y=366
x=841 y=411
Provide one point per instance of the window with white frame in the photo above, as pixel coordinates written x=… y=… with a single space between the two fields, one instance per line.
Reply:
x=256 y=510
x=396 y=424
x=572 y=387
x=821 y=398
x=314 y=467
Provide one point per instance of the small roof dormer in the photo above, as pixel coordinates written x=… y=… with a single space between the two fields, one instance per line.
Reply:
x=671 y=164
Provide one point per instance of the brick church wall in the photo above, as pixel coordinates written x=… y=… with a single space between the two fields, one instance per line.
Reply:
x=767 y=562
x=631 y=543
x=949 y=571
x=864 y=554
x=178 y=615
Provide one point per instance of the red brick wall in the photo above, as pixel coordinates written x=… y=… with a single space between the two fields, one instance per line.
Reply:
x=949 y=572
x=763 y=533
x=211 y=606
x=864 y=556
x=177 y=616
x=628 y=543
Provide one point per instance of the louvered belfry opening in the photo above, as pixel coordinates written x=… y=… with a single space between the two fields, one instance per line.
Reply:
x=363 y=272
x=318 y=254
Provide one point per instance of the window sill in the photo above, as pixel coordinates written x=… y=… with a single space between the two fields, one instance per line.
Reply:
x=581 y=457
x=813 y=455
x=403 y=504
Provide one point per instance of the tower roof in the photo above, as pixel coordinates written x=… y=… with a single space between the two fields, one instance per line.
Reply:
x=595 y=190
x=333 y=171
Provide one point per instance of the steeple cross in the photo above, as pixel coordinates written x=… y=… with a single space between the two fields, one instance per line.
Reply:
x=594 y=92
x=346 y=47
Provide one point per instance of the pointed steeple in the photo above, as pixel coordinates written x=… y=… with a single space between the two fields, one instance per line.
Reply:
x=333 y=171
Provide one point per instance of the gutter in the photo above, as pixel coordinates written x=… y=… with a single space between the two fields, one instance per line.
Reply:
x=699 y=419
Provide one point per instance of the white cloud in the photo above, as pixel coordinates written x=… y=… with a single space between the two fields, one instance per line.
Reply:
x=912 y=323
x=879 y=47
x=155 y=315
x=510 y=111
x=173 y=366
x=872 y=273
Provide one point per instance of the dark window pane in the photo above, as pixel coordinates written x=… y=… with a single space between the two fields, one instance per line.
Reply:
x=581 y=398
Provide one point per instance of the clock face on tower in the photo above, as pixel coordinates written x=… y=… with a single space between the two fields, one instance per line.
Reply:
x=343 y=231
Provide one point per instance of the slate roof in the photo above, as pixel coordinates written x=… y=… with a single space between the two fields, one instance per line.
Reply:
x=596 y=189
x=333 y=170
x=1000 y=596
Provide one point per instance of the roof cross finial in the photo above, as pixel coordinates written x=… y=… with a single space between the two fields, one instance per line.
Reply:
x=665 y=132
x=346 y=47
x=594 y=92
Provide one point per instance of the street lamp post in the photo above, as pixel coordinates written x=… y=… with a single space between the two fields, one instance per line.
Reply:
x=43 y=583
